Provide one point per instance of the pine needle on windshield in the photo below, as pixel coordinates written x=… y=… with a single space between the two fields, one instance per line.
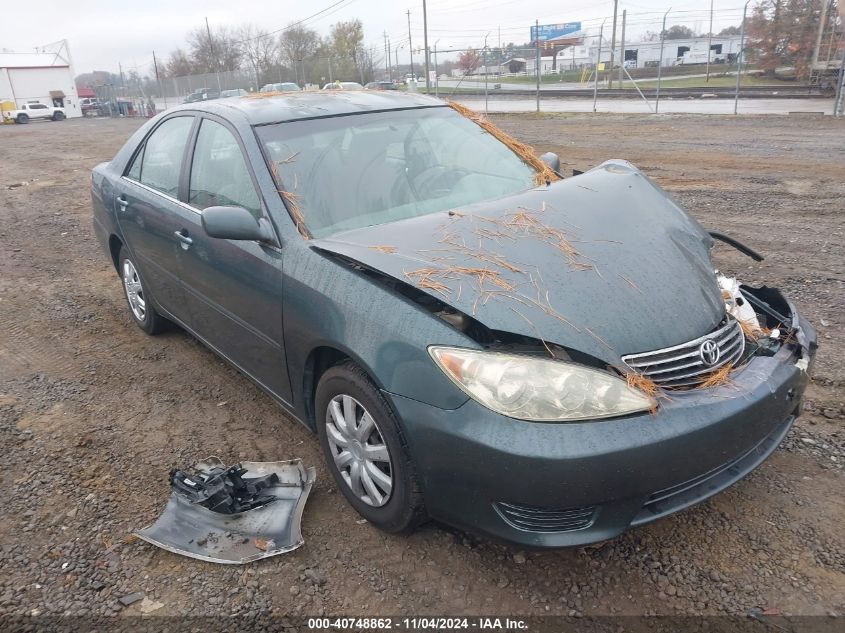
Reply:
x=545 y=174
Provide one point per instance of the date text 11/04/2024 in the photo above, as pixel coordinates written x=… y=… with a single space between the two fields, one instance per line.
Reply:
x=418 y=624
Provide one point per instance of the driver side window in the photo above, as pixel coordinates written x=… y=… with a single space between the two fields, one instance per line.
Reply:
x=219 y=175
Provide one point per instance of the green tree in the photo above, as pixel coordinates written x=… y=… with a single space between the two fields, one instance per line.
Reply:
x=679 y=32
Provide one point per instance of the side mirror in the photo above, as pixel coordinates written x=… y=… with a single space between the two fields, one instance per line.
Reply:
x=236 y=223
x=552 y=160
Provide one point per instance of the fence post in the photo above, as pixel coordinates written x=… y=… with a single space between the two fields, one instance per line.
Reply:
x=537 y=59
x=660 y=61
x=739 y=57
x=598 y=61
x=840 y=89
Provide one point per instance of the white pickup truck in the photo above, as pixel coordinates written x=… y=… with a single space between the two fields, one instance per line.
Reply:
x=35 y=111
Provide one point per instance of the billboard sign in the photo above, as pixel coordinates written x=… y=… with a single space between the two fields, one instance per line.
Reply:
x=546 y=32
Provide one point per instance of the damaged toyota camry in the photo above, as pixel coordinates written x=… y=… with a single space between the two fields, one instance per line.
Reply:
x=474 y=338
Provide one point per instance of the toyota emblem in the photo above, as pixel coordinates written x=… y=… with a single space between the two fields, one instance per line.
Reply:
x=709 y=352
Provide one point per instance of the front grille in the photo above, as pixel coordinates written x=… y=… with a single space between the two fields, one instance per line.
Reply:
x=683 y=365
x=546 y=519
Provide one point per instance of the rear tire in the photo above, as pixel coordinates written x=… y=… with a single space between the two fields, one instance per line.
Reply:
x=140 y=301
x=401 y=508
x=22 y=118
x=58 y=116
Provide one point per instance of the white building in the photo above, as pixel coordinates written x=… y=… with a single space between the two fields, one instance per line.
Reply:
x=644 y=54
x=46 y=78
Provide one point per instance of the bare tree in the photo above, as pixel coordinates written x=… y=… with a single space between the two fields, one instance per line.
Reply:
x=297 y=44
x=178 y=64
x=260 y=52
x=220 y=52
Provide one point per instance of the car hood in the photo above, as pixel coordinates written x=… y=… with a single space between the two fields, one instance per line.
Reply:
x=604 y=263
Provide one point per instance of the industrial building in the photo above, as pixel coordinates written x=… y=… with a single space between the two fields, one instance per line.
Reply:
x=40 y=77
x=693 y=50
x=583 y=50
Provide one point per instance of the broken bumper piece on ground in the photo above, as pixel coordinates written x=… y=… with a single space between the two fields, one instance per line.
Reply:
x=274 y=493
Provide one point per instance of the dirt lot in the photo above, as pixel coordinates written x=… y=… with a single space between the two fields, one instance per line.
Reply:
x=93 y=413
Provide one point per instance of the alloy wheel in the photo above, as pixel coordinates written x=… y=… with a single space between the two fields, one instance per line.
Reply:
x=134 y=291
x=359 y=450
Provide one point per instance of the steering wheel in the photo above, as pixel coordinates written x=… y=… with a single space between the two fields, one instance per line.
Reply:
x=437 y=181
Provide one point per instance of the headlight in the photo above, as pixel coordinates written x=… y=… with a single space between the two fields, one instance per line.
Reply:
x=538 y=389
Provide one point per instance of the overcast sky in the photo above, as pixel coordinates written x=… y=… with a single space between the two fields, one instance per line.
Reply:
x=102 y=33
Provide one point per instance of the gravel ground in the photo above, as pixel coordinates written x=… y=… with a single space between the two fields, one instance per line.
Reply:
x=93 y=413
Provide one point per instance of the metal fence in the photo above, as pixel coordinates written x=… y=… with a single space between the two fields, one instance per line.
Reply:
x=646 y=56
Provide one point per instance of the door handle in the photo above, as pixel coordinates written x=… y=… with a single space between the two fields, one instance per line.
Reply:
x=182 y=236
x=122 y=202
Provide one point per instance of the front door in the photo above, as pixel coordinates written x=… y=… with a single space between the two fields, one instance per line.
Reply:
x=150 y=214
x=233 y=287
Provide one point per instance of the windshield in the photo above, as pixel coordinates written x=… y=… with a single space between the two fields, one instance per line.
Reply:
x=360 y=170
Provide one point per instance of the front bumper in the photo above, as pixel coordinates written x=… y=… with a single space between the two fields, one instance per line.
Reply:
x=561 y=485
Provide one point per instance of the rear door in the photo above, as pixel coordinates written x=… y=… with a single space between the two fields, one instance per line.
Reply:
x=150 y=214
x=233 y=287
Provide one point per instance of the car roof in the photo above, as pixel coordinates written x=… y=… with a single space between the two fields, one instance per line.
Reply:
x=261 y=109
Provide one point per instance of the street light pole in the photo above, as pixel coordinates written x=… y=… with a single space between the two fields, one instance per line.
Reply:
x=410 y=43
x=436 y=74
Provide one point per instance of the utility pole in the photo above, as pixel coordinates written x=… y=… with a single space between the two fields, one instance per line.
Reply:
x=709 y=44
x=436 y=74
x=122 y=85
x=739 y=57
x=410 y=43
x=214 y=55
x=622 y=50
x=660 y=61
x=612 y=44
x=425 y=46
x=387 y=58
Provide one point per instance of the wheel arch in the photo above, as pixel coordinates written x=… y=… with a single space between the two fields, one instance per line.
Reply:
x=321 y=358
x=115 y=244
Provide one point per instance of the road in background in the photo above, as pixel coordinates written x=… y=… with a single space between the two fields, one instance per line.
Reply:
x=638 y=106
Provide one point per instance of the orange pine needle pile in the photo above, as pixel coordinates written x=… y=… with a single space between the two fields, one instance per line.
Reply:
x=643 y=383
x=431 y=278
x=292 y=204
x=647 y=386
x=383 y=248
x=718 y=378
x=523 y=150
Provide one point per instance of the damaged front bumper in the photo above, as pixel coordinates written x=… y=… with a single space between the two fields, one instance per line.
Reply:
x=560 y=485
x=186 y=527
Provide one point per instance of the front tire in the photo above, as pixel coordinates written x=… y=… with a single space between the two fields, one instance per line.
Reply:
x=140 y=303
x=364 y=448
